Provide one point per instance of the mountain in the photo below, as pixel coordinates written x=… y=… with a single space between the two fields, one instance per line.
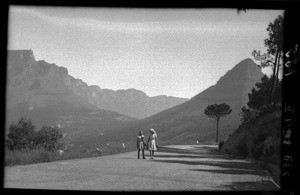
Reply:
x=41 y=84
x=47 y=92
x=132 y=102
x=186 y=123
x=48 y=95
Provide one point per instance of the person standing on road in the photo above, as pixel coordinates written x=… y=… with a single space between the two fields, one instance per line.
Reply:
x=153 y=143
x=141 y=144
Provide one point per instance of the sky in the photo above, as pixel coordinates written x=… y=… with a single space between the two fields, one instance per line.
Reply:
x=173 y=52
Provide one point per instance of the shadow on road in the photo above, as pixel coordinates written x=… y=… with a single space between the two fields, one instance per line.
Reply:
x=197 y=152
x=252 y=186
x=222 y=164
x=179 y=156
x=229 y=167
x=233 y=171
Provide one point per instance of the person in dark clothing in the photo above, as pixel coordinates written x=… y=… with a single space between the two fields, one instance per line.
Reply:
x=141 y=144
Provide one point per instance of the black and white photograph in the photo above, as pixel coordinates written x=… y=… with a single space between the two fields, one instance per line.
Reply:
x=145 y=99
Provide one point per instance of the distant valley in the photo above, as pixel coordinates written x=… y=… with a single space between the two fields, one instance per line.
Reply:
x=186 y=123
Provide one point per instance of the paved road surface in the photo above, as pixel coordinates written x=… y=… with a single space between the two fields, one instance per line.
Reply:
x=191 y=167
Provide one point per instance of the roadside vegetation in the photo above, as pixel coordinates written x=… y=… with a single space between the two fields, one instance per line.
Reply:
x=258 y=138
x=25 y=145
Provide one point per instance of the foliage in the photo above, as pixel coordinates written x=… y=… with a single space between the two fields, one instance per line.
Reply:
x=217 y=111
x=21 y=135
x=258 y=103
x=246 y=114
x=48 y=138
x=260 y=95
x=273 y=56
x=273 y=43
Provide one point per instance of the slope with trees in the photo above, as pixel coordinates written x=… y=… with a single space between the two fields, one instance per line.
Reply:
x=259 y=135
x=273 y=57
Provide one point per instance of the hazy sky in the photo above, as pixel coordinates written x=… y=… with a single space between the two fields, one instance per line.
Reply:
x=176 y=52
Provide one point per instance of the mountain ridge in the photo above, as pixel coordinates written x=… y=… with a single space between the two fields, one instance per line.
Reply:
x=33 y=81
x=186 y=123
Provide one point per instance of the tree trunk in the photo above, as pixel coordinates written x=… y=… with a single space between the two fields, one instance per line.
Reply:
x=274 y=77
x=217 y=136
x=278 y=66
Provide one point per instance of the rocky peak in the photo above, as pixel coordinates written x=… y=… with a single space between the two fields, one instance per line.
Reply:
x=18 y=60
x=235 y=84
x=244 y=70
x=21 y=55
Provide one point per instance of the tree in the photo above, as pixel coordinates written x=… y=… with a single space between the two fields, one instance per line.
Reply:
x=259 y=98
x=273 y=56
x=246 y=114
x=217 y=111
x=21 y=135
x=260 y=95
x=48 y=138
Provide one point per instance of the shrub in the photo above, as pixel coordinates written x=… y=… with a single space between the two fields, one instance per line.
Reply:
x=48 y=138
x=21 y=135
x=26 y=146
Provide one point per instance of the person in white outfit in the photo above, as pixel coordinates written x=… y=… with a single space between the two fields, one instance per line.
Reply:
x=153 y=143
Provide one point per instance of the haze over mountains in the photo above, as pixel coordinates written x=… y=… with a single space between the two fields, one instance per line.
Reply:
x=186 y=123
x=35 y=84
x=93 y=116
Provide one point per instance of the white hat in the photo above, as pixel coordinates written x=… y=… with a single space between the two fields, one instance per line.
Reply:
x=152 y=130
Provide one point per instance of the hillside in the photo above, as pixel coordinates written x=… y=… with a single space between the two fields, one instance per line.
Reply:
x=40 y=84
x=260 y=139
x=41 y=92
x=186 y=123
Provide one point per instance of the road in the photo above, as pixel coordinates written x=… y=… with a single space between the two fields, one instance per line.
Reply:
x=190 y=168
